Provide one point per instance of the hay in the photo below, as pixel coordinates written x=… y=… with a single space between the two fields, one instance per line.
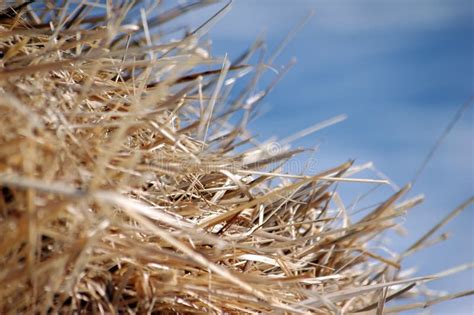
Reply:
x=127 y=186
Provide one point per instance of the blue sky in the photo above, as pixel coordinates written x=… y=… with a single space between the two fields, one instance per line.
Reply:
x=399 y=70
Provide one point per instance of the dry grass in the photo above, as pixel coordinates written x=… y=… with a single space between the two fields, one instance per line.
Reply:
x=125 y=188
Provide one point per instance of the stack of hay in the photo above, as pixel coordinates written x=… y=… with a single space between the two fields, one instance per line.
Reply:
x=127 y=186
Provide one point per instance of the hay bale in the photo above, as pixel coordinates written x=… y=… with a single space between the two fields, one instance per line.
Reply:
x=124 y=188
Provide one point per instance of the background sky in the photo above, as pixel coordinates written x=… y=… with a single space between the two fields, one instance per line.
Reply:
x=399 y=70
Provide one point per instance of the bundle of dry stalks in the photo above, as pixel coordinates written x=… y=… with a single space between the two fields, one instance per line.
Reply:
x=125 y=187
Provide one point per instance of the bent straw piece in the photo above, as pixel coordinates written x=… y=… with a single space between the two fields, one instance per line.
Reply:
x=426 y=304
x=348 y=293
x=442 y=223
